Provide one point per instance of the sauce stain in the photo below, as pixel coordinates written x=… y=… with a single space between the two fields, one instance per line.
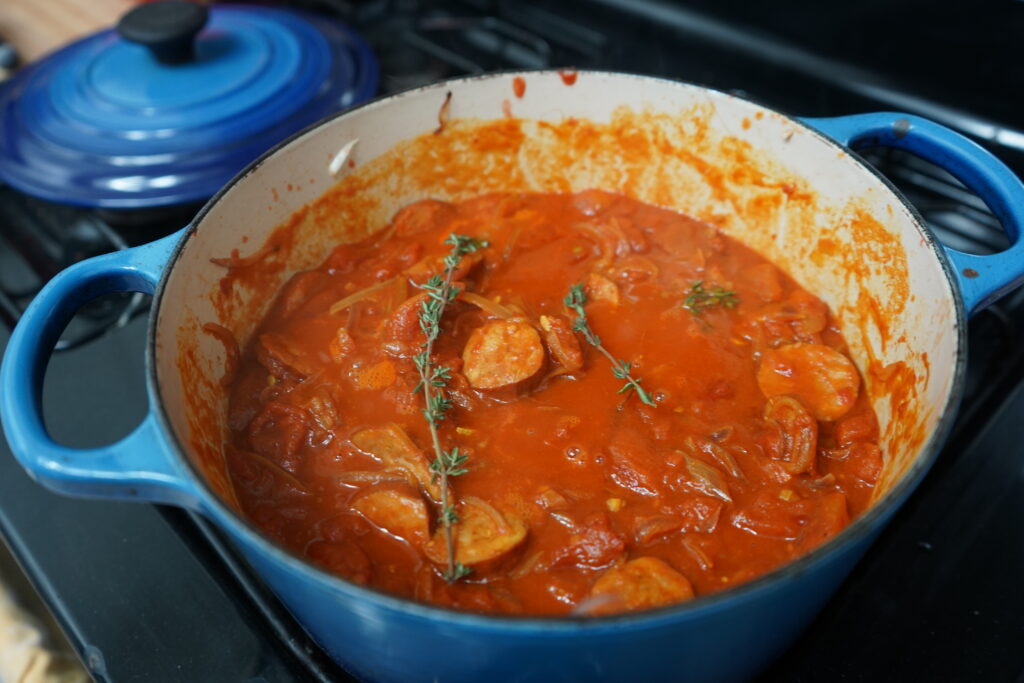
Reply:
x=519 y=86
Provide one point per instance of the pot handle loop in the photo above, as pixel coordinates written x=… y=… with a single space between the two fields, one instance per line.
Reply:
x=982 y=279
x=138 y=467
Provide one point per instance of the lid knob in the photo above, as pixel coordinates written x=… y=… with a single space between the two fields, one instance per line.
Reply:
x=168 y=28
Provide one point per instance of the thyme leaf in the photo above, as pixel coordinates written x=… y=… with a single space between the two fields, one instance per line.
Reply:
x=457 y=572
x=575 y=300
x=700 y=299
x=433 y=383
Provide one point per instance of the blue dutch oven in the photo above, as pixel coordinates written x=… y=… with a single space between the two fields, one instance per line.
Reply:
x=922 y=290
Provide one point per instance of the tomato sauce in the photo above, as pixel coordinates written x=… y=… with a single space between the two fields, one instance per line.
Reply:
x=576 y=498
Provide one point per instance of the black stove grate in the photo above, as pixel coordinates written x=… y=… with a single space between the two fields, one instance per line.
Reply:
x=954 y=213
x=38 y=239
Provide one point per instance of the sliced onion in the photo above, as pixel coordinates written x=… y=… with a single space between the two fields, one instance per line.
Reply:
x=369 y=477
x=510 y=243
x=698 y=554
x=590 y=604
x=396 y=294
x=564 y=520
x=557 y=372
x=341 y=305
x=608 y=238
x=647 y=529
x=526 y=567
x=799 y=432
x=827 y=481
x=725 y=459
x=275 y=469
x=550 y=499
x=709 y=479
x=489 y=306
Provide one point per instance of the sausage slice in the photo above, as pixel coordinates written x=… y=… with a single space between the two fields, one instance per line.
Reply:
x=482 y=534
x=642 y=583
x=822 y=378
x=398 y=510
x=502 y=352
x=394 y=448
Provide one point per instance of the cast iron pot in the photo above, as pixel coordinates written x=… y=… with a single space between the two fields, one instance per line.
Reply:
x=789 y=188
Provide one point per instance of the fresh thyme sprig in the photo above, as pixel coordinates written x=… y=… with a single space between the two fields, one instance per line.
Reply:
x=575 y=300
x=433 y=381
x=700 y=299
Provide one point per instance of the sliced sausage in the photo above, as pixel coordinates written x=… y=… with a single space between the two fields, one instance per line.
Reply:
x=501 y=353
x=401 y=331
x=823 y=379
x=562 y=343
x=642 y=583
x=395 y=449
x=396 y=509
x=482 y=534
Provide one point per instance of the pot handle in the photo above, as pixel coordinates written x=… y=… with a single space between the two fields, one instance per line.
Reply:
x=140 y=466
x=982 y=279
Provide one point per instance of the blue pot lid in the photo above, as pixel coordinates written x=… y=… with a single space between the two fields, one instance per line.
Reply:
x=110 y=123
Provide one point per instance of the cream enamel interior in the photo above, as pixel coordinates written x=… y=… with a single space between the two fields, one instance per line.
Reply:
x=920 y=320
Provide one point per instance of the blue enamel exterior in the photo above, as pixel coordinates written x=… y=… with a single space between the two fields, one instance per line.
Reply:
x=140 y=466
x=982 y=279
x=103 y=123
x=722 y=637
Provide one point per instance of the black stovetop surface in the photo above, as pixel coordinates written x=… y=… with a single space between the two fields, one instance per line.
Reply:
x=152 y=593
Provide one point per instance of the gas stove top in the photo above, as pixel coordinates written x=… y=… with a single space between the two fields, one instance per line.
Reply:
x=935 y=597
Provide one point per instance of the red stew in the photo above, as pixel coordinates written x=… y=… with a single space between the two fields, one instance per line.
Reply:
x=576 y=498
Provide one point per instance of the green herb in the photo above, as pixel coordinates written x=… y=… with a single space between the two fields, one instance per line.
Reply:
x=700 y=299
x=433 y=381
x=575 y=300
